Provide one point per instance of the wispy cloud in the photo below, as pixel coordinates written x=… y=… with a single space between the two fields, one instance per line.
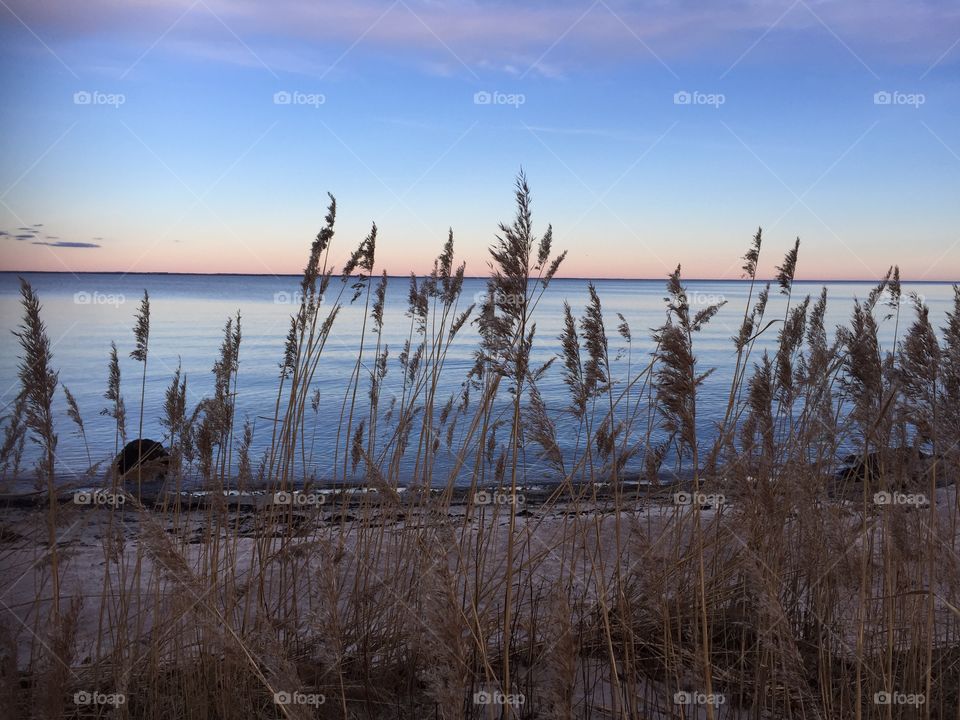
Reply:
x=66 y=244
x=590 y=132
x=22 y=233
x=33 y=234
x=545 y=38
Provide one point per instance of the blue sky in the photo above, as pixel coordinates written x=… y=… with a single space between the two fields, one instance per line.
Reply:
x=149 y=135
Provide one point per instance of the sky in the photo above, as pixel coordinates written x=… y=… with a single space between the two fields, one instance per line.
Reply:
x=204 y=135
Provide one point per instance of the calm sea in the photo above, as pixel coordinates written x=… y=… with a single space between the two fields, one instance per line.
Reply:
x=85 y=312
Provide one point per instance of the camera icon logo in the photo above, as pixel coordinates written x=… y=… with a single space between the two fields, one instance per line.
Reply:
x=82 y=298
x=282 y=498
x=482 y=98
x=83 y=498
x=82 y=97
x=882 y=98
x=482 y=497
x=282 y=97
x=82 y=698
x=282 y=698
x=682 y=98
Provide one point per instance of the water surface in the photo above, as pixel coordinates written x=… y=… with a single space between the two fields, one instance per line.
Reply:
x=85 y=312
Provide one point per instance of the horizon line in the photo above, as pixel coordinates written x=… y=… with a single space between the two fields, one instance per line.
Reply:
x=465 y=277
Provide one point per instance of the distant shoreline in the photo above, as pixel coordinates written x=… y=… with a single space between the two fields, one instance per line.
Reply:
x=298 y=275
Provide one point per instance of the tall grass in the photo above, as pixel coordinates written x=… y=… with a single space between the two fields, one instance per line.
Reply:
x=766 y=571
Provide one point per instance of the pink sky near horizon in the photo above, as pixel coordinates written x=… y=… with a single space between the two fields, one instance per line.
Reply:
x=287 y=257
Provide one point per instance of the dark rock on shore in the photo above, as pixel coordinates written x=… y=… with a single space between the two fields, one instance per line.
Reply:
x=149 y=455
x=893 y=467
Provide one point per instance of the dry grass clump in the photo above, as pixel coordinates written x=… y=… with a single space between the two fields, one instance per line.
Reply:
x=806 y=568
